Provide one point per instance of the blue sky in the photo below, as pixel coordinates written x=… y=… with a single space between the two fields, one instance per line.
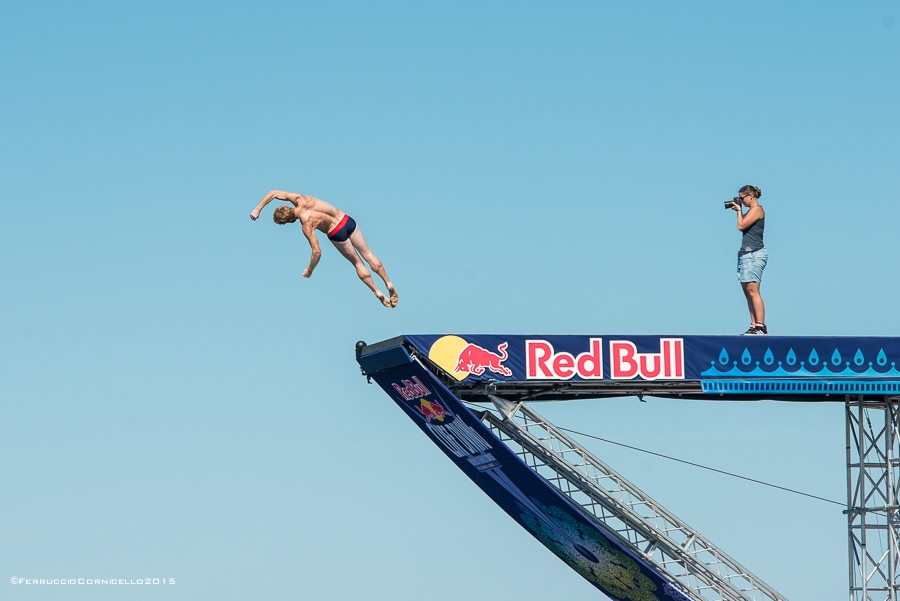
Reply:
x=178 y=402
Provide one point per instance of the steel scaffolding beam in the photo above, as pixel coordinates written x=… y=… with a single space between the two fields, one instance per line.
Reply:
x=873 y=460
x=641 y=524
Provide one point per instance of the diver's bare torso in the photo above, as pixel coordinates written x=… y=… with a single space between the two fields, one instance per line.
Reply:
x=317 y=213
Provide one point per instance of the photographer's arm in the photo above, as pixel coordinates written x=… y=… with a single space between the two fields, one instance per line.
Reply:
x=745 y=220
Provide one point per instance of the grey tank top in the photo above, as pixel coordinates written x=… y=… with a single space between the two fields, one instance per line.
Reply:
x=753 y=238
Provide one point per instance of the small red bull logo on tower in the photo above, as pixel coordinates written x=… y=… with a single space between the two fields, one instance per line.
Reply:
x=625 y=363
x=474 y=360
x=411 y=389
x=543 y=363
x=432 y=410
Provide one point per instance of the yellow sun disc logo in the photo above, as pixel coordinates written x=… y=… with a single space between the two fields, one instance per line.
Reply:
x=445 y=353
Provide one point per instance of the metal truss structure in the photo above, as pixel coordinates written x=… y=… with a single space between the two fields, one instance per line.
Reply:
x=708 y=574
x=873 y=467
x=640 y=523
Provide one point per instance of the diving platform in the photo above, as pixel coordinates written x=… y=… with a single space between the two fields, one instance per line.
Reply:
x=552 y=368
x=470 y=395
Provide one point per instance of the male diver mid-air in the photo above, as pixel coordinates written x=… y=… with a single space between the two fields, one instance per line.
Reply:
x=314 y=214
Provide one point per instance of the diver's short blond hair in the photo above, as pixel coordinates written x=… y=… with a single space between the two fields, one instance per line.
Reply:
x=284 y=214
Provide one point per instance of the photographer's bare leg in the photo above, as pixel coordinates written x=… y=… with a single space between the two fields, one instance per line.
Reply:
x=347 y=249
x=360 y=244
x=754 y=302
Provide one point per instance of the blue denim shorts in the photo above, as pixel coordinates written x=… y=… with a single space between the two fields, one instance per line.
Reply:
x=750 y=266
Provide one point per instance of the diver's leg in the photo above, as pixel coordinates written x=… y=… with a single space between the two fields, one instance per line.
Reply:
x=346 y=249
x=360 y=244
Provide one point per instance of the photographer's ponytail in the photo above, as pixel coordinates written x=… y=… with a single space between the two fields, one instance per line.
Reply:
x=748 y=189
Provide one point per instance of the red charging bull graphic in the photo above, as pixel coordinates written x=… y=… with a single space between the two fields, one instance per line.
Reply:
x=413 y=389
x=625 y=363
x=433 y=411
x=474 y=360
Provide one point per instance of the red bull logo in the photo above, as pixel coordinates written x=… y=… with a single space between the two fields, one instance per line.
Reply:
x=543 y=363
x=411 y=389
x=625 y=363
x=460 y=358
x=433 y=411
x=475 y=360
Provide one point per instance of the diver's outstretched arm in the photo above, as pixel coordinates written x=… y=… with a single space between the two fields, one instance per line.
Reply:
x=280 y=195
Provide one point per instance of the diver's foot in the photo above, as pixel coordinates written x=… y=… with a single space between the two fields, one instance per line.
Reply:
x=384 y=300
x=395 y=298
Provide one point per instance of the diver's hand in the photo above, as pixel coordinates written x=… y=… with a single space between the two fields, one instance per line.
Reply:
x=254 y=215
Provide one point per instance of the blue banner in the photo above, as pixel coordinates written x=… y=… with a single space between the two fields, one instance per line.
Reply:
x=723 y=364
x=534 y=503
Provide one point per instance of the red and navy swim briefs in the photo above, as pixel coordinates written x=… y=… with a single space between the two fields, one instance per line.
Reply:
x=343 y=229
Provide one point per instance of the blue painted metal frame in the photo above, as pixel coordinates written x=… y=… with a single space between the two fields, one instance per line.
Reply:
x=582 y=543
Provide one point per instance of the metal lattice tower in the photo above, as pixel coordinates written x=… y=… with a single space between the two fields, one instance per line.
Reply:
x=644 y=526
x=873 y=467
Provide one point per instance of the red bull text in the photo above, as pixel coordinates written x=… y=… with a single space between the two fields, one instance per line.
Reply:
x=411 y=389
x=625 y=363
x=542 y=363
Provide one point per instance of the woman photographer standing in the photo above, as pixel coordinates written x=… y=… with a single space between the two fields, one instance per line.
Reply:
x=753 y=256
